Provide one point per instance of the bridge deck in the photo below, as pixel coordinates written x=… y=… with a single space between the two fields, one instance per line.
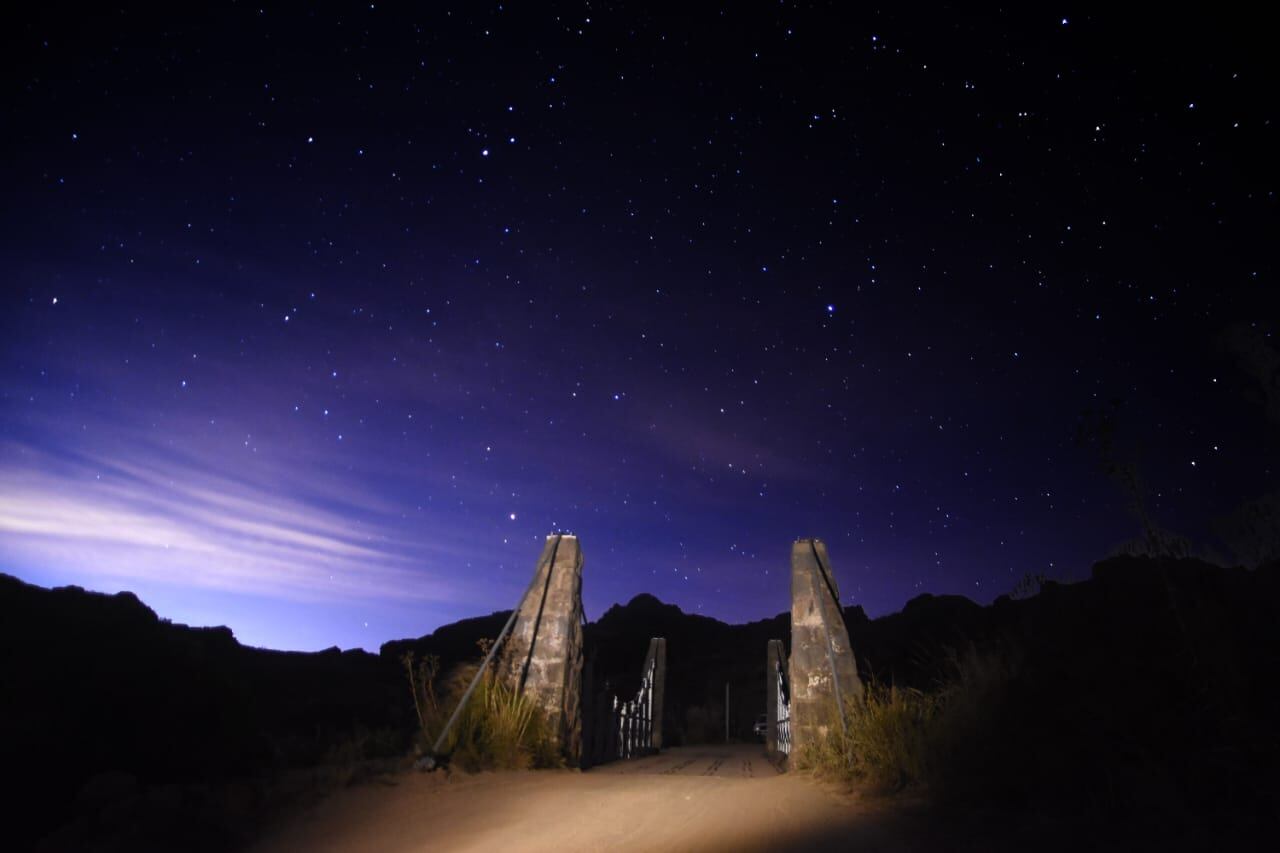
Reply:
x=727 y=761
x=718 y=798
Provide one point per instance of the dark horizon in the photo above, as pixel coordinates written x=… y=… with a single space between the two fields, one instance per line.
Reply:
x=314 y=324
x=622 y=604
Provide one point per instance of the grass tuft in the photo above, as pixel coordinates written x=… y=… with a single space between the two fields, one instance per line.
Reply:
x=499 y=729
x=896 y=738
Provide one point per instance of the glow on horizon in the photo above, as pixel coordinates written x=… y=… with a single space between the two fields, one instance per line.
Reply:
x=178 y=530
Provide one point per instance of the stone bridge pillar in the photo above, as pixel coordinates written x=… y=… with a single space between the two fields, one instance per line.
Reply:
x=543 y=656
x=823 y=672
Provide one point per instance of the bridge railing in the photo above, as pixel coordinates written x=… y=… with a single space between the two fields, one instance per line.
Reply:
x=615 y=729
x=778 y=703
x=782 y=730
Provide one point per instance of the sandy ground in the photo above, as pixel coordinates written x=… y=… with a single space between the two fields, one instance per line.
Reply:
x=692 y=798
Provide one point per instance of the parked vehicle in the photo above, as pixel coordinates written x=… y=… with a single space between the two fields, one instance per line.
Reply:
x=762 y=726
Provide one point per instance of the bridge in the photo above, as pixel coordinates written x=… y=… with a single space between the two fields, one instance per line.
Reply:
x=636 y=794
x=541 y=654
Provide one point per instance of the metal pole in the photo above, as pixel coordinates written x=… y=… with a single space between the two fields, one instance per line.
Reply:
x=435 y=748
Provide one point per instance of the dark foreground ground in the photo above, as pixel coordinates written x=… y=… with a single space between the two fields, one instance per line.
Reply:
x=712 y=798
x=1133 y=710
x=688 y=798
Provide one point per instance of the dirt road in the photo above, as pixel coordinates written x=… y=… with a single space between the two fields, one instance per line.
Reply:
x=693 y=798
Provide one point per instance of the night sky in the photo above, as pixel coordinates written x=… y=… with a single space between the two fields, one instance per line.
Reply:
x=314 y=324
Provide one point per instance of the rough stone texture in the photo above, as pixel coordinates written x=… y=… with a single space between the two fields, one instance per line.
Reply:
x=824 y=674
x=775 y=656
x=543 y=655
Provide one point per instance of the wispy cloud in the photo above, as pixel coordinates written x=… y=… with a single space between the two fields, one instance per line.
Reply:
x=152 y=518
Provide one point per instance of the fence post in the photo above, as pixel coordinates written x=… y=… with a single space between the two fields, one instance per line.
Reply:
x=726 y=712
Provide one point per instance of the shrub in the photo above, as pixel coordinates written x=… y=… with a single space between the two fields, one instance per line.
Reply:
x=885 y=741
x=499 y=729
x=422 y=684
x=894 y=738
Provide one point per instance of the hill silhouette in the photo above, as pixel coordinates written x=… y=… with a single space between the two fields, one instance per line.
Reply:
x=1153 y=679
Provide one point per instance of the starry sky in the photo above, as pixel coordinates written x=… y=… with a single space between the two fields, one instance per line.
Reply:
x=315 y=322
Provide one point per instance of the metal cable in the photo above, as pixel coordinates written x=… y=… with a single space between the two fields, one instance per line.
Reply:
x=462 y=703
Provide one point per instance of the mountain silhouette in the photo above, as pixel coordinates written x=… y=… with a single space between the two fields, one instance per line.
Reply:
x=1157 y=670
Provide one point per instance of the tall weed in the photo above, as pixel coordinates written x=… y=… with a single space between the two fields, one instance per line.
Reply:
x=895 y=738
x=499 y=729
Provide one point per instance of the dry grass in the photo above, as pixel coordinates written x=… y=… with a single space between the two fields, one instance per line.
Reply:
x=886 y=741
x=499 y=729
x=896 y=738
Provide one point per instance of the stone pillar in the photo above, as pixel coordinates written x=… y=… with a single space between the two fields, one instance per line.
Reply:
x=543 y=655
x=774 y=659
x=824 y=674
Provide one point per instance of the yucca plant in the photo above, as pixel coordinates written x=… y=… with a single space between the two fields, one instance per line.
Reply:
x=499 y=729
